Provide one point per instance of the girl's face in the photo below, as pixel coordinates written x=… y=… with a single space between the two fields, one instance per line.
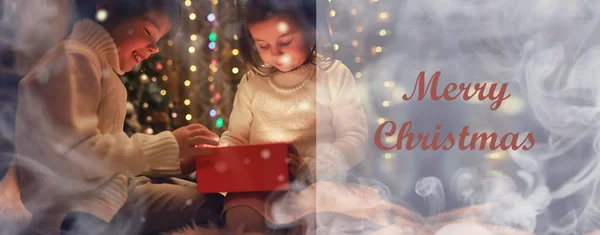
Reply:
x=280 y=42
x=136 y=39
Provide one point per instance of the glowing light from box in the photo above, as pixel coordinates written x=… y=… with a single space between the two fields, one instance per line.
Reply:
x=187 y=83
x=193 y=37
x=212 y=45
x=212 y=113
x=187 y=102
x=192 y=16
x=188 y=117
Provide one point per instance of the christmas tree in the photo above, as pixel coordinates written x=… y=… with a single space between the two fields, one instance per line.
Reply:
x=193 y=78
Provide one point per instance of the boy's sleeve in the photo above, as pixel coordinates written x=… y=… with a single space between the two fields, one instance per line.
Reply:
x=65 y=95
x=238 y=132
x=349 y=123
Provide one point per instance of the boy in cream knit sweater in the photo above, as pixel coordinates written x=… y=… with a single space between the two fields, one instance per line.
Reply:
x=77 y=170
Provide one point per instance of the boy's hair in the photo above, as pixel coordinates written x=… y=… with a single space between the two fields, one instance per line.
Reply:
x=122 y=10
x=303 y=12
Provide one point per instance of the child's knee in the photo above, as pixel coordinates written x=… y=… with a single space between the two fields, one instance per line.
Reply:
x=244 y=219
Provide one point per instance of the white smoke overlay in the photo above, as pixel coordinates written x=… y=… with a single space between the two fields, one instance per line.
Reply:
x=38 y=26
x=546 y=50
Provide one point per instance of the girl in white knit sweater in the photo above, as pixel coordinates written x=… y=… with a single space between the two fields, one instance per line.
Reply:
x=76 y=168
x=290 y=96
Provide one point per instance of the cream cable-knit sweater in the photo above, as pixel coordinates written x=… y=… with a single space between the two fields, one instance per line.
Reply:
x=325 y=120
x=72 y=151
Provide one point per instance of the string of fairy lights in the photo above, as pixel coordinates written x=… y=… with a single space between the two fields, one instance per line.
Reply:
x=212 y=43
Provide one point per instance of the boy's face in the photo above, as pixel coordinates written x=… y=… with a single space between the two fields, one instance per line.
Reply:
x=280 y=42
x=136 y=39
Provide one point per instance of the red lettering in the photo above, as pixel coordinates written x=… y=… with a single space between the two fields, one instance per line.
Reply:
x=463 y=135
x=529 y=138
x=403 y=133
x=484 y=139
x=378 y=138
x=420 y=85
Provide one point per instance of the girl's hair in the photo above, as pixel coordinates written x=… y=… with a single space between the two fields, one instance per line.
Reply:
x=122 y=10
x=303 y=12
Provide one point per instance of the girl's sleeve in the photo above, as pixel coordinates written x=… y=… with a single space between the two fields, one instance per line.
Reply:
x=349 y=123
x=238 y=131
x=65 y=95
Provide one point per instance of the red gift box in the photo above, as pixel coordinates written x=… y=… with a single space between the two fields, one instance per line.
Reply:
x=249 y=168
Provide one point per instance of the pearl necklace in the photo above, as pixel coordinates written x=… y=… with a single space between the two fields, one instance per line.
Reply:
x=291 y=90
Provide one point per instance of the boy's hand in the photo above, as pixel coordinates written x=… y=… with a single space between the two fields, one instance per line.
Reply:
x=191 y=138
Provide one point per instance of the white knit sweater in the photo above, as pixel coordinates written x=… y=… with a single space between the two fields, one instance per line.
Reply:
x=325 y=119
x=72 y=152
